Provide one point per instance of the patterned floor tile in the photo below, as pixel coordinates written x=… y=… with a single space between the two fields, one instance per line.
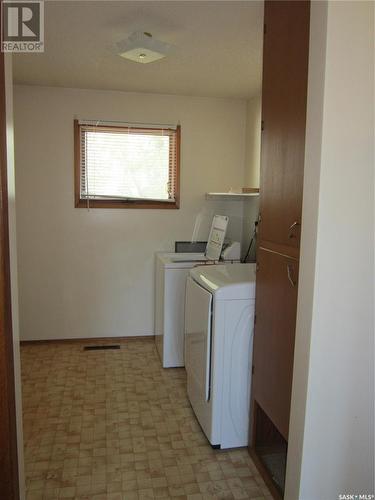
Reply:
x=114 y=425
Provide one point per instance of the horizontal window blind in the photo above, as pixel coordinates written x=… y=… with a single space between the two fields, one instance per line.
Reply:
x=128 y=163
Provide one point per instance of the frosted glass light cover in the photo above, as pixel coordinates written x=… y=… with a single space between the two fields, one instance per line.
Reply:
x=143 y=48
x=137 y=53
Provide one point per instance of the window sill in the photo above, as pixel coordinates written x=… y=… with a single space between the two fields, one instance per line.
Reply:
x=150 y=204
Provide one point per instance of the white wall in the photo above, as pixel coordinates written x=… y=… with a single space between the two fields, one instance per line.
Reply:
x=252 y=169
x=90 y=273
x=253 y=136
x=331 y=446
x=13 y=267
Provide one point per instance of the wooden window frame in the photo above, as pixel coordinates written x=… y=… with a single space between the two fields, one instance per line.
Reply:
x=141 y=203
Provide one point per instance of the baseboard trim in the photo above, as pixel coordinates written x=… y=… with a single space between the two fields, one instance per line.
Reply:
x=91 y=340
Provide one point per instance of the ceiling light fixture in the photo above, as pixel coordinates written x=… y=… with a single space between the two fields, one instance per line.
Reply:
x=141 y=47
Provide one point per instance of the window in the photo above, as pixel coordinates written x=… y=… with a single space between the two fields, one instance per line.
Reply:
x=126 y=166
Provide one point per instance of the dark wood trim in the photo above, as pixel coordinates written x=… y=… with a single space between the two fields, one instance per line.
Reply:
x=90 y=340
x=9 y=483
x=164 y=205
x=178 y=166
x=77 y=161
x=143 y=204
x=124 y=127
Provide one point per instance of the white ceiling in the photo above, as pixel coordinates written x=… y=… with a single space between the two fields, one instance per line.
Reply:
x=218 y=47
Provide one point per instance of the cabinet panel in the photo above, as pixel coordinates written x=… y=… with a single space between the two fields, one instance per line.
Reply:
x=285 y=69
x=275 y=308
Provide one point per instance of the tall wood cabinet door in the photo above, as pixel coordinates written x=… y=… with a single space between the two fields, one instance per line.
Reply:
x=276 y=301
x=285 y=69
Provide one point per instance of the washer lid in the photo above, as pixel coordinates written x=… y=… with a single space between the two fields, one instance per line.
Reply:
x=173 y=260
x=227 y=281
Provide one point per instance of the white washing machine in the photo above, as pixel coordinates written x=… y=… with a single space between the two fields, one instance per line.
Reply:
x=170 y=279
x=171 y=271
x=219 y=325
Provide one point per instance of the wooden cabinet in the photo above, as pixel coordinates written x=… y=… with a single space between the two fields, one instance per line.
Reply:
x=284 y=97
x=274 y=338
x=285 y=66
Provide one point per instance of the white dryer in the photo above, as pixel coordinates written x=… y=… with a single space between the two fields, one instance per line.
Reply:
x=219 y=324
